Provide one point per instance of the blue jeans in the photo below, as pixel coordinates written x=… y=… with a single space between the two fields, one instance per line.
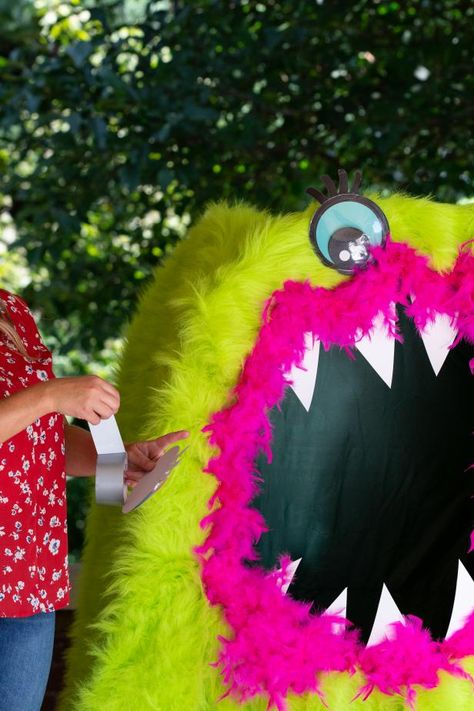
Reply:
x=26 y=649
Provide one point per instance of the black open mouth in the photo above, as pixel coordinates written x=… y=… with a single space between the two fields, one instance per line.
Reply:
x=369 y=482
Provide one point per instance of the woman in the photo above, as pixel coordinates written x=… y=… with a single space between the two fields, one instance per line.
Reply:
x=37 y=447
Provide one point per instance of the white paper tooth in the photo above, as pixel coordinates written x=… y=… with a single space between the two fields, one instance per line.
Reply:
x=378 y=349
x=463 y=600
x=387 y=614
x=303 y=377
x=338 y=608
x=290 y=574
x=437 y=338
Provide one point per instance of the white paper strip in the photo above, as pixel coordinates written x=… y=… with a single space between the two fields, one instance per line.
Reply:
x=387 y=614
x=437 y=337
x=106 y=436
x=303 y=376
x=463 y=601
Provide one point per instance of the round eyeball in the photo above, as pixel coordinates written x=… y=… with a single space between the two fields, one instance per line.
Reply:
x=344 y=229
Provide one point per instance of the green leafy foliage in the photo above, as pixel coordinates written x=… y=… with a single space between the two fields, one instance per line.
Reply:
x=120 y=120
x=115 y=134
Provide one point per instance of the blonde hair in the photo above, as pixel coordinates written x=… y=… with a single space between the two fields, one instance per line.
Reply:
x=8 y=329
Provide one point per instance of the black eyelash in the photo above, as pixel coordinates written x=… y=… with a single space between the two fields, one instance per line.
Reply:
x=342 y=189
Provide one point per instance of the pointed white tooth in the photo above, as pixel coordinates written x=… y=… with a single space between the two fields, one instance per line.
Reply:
x=463 y=600
x=378 y=349
x=290 y=574
x=437 y=337
x=339 y=609
x=339 y=606
x=387 y=614
x=304 y=374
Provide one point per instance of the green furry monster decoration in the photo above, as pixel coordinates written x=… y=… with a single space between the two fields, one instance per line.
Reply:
x=145 y=636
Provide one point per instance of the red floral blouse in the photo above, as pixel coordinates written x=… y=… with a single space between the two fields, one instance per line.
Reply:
x=33 y=534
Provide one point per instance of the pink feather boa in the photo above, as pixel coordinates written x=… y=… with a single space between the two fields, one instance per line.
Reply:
x=277 y=646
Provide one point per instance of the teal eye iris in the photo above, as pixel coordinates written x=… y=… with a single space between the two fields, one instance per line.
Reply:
x=344 y=229
x=348 y=214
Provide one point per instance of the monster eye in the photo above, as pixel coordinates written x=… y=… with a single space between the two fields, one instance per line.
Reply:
x=346 y=225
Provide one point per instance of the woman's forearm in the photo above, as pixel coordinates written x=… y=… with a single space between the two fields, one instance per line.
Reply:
x=21 y=409
x=86 y=397
x=81 y=455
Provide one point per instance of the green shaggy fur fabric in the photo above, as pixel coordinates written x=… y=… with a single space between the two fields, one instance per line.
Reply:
x=145 y=636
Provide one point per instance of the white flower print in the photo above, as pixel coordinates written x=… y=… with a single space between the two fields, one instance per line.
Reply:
x=33 y=600
x=54 y=546
x=39 y=451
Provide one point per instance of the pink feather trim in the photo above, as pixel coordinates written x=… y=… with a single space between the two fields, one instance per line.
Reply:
x=277 y=646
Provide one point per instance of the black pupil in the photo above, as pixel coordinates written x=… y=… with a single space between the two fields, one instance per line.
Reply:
x=348 y=246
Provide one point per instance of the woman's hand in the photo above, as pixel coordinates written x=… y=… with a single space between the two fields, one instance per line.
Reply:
x=143 y=456
x=86 y=397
